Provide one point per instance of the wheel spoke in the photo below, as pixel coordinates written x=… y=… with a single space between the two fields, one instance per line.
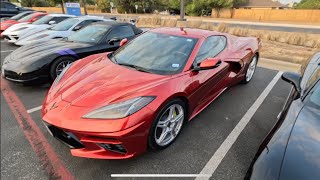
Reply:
x=163 y=135
x=171 y=111
x=162 y=124
x=177 y=118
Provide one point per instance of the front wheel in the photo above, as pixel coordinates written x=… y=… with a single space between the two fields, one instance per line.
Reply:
x=167 y=125
x=251 y=69
x=59 y=64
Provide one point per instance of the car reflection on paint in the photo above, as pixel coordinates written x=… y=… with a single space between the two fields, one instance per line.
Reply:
x=47 y=60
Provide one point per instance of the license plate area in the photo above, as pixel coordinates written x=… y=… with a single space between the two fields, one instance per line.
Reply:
x=66 y=138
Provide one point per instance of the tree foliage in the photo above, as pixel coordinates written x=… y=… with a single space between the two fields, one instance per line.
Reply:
x=200 y=7
x=309 y=4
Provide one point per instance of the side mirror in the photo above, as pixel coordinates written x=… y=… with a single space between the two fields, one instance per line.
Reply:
x=77 y=28
x=294 y=79
x=209 y=63
x=51 y=22
x=123 y=42
x=113 y=40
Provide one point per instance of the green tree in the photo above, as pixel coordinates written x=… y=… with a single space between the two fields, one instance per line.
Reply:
x=308 y=4
x=200 y=7
x=104 y=5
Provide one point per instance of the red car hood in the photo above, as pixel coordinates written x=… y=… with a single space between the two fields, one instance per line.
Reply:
x=5 y=24
x=101 y=82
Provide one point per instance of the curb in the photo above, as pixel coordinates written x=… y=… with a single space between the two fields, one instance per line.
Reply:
x=278 y=65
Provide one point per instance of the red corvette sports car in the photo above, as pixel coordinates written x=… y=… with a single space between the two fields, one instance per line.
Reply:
x=24 y=17
x=117 y=105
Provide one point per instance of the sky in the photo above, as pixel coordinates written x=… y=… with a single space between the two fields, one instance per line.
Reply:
x=288 y=1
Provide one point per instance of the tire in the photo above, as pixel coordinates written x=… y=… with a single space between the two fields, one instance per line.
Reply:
x=253 y=64
x=154 y=142
x=57 y=64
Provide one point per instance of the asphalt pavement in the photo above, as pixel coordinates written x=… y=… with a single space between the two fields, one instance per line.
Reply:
x=200 y=139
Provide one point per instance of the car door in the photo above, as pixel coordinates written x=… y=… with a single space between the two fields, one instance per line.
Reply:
x=207 y=84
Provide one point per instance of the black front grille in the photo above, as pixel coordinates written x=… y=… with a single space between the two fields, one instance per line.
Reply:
x=6 y=37
x=16 y=76
x=66 y=137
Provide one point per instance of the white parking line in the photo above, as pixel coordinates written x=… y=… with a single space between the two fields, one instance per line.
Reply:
x=6 y=51
x=34 y=109
x=160 y=175
x=218 y=156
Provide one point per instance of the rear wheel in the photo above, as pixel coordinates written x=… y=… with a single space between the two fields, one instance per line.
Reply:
x=251 y=69
x=59 y=64
x=168 y=124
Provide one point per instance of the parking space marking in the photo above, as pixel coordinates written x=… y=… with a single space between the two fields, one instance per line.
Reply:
x=160 y=175
x=34 y=109
x=218 y=156
x=48 y=158
x=6 y=51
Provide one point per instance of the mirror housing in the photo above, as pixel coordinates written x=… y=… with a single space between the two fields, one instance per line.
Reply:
x=77 y=28
x=294 y=79
x=113 y=40
x=51 y=22
x=209 y=63
x=123 y=42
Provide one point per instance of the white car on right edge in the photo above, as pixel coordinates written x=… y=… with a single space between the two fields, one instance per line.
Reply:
x=61 y=30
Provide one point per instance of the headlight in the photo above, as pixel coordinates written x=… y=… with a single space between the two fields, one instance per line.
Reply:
x=19 y=29
x=120 y=110
x=58 y=78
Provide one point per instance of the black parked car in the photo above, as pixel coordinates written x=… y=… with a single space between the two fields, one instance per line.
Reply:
x=47 y=60
x=8 y=9
x=292 y=148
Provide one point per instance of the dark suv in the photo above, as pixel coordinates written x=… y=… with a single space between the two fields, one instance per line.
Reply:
x=8 y=9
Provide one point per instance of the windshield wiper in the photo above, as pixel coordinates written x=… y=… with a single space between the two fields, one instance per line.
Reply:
x=138 y=68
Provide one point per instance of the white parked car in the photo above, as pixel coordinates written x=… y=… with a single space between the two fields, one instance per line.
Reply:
x=13 y=33
x=61 y=30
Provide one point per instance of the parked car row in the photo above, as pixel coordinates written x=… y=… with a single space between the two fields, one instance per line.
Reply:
x=118 y=91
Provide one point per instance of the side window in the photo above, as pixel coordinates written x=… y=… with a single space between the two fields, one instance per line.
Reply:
x=86 y=22
x=210 y=48
x=313 y=98
x=59 y=19
x=311 y=73
x=121 y=32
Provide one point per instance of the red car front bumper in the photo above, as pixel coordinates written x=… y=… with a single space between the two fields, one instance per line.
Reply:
x=92 y=143
x=119 y=145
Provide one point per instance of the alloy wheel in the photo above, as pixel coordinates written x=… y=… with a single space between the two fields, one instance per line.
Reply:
x=169 y=125
x=61 y=66
x=251 y=69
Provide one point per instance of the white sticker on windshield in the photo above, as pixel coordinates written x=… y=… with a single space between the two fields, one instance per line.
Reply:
x=189 y=40
x=175 y=65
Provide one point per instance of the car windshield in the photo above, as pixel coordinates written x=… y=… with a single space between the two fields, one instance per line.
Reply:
x=65 y=25
x=156 y=53
x=19 y=16
x=43 y=20
x=89 y=34
x=26 y=18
